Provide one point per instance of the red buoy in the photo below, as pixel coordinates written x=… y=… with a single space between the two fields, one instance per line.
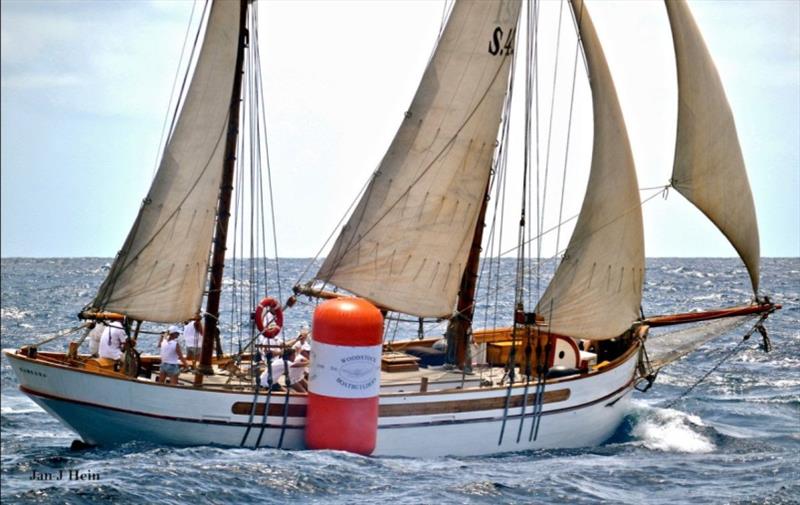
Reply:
x=344 y=376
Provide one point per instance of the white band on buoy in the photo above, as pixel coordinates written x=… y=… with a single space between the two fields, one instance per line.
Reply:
x=342 y=371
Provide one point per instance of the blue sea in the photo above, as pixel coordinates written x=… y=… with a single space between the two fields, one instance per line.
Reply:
x=734 y=439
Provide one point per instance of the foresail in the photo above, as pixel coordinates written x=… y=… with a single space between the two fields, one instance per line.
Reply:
x=597 y=289
x=709 y=169
x=406 y=244
x=161 y=270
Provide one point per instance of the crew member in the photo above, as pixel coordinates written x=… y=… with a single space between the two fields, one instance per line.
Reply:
x=171 y=355
x=112 y=342
x=278 y=368
x=193 y=339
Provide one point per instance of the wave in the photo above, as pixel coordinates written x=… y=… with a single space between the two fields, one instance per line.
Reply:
x=670 y=430
x=14 y=313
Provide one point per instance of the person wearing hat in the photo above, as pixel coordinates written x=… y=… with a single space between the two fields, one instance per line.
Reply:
x=302 y=338
x=171 y=356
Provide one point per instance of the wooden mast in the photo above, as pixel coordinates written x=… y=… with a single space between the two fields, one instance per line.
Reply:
x=459 y=325
x=211 y=320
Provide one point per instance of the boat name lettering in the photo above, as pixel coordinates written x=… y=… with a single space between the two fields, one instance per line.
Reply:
x=32 y=372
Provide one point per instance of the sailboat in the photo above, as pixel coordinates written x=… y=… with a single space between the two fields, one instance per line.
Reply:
x=561 y=375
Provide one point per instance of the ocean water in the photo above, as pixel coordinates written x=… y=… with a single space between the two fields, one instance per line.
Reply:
x=734 y=439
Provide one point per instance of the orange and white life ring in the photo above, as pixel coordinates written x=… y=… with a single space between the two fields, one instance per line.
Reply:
x=269 y=306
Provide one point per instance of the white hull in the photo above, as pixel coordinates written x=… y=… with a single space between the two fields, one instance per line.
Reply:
x=578 y=412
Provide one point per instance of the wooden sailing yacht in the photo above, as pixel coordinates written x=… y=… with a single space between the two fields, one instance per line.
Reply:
x=411 y=246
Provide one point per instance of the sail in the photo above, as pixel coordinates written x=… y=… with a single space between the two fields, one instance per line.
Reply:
x=405 y=246
x=709 y=169
x=597 y=289
x=161 y=270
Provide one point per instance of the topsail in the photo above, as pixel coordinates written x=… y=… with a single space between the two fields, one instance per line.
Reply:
x=709 y=168
x=161 y=270
x=405 y=246
x=597 y=289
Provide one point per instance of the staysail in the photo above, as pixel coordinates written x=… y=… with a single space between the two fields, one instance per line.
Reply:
x=597 y=289
x=160 y=272
x=406 y=244
x=709 y=169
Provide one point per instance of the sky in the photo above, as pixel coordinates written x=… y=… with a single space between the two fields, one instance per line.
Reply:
x=85 y=87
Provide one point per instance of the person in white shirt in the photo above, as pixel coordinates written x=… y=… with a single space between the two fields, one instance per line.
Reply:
x=269 y=347
x=193 y=339
x=278 y=366
x=96 y=330
x=112 y=341
x=171 y=356
x=302 y=337
x=303 y=357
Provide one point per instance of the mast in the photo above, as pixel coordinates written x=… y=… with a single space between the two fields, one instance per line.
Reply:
x=459 y=325
x=211 y=319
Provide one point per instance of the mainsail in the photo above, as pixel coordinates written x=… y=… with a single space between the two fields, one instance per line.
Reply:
x=709 y=169
x=160 y=272
x=597 y=289
x=406 y=244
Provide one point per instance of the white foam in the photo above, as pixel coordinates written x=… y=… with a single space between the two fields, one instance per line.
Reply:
x=670 y=430
x=19 y=405
x=14 y=313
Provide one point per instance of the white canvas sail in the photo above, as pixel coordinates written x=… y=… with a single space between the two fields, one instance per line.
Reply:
x=709 y=169
x=406 y=244
x=160 y=272
x=597 y=289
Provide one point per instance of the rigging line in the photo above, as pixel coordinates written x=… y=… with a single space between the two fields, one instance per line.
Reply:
x=527 y=358
x=501 y=173
x=550 y=121
x=269 y=175
x=186 y=75
x=566 y=155
x=288 y=383
x=124 y=266
x=575 y=216
x=161 y=139
x=537 y=6
x=422 y=174
x=511 y=365
x=445 y=14
x=252 y=263
x=541 y=378
x=265 y=415
x=614 y=220
x=335 y=229
x=503 y=198
x=339 y=254
x=519 y=279
x=531 y=117
x=499 y=176
x=62 y=333
x=727 y=356
x=252 y=413
x=595 y=231
x=241 y=221
x=260 y=103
